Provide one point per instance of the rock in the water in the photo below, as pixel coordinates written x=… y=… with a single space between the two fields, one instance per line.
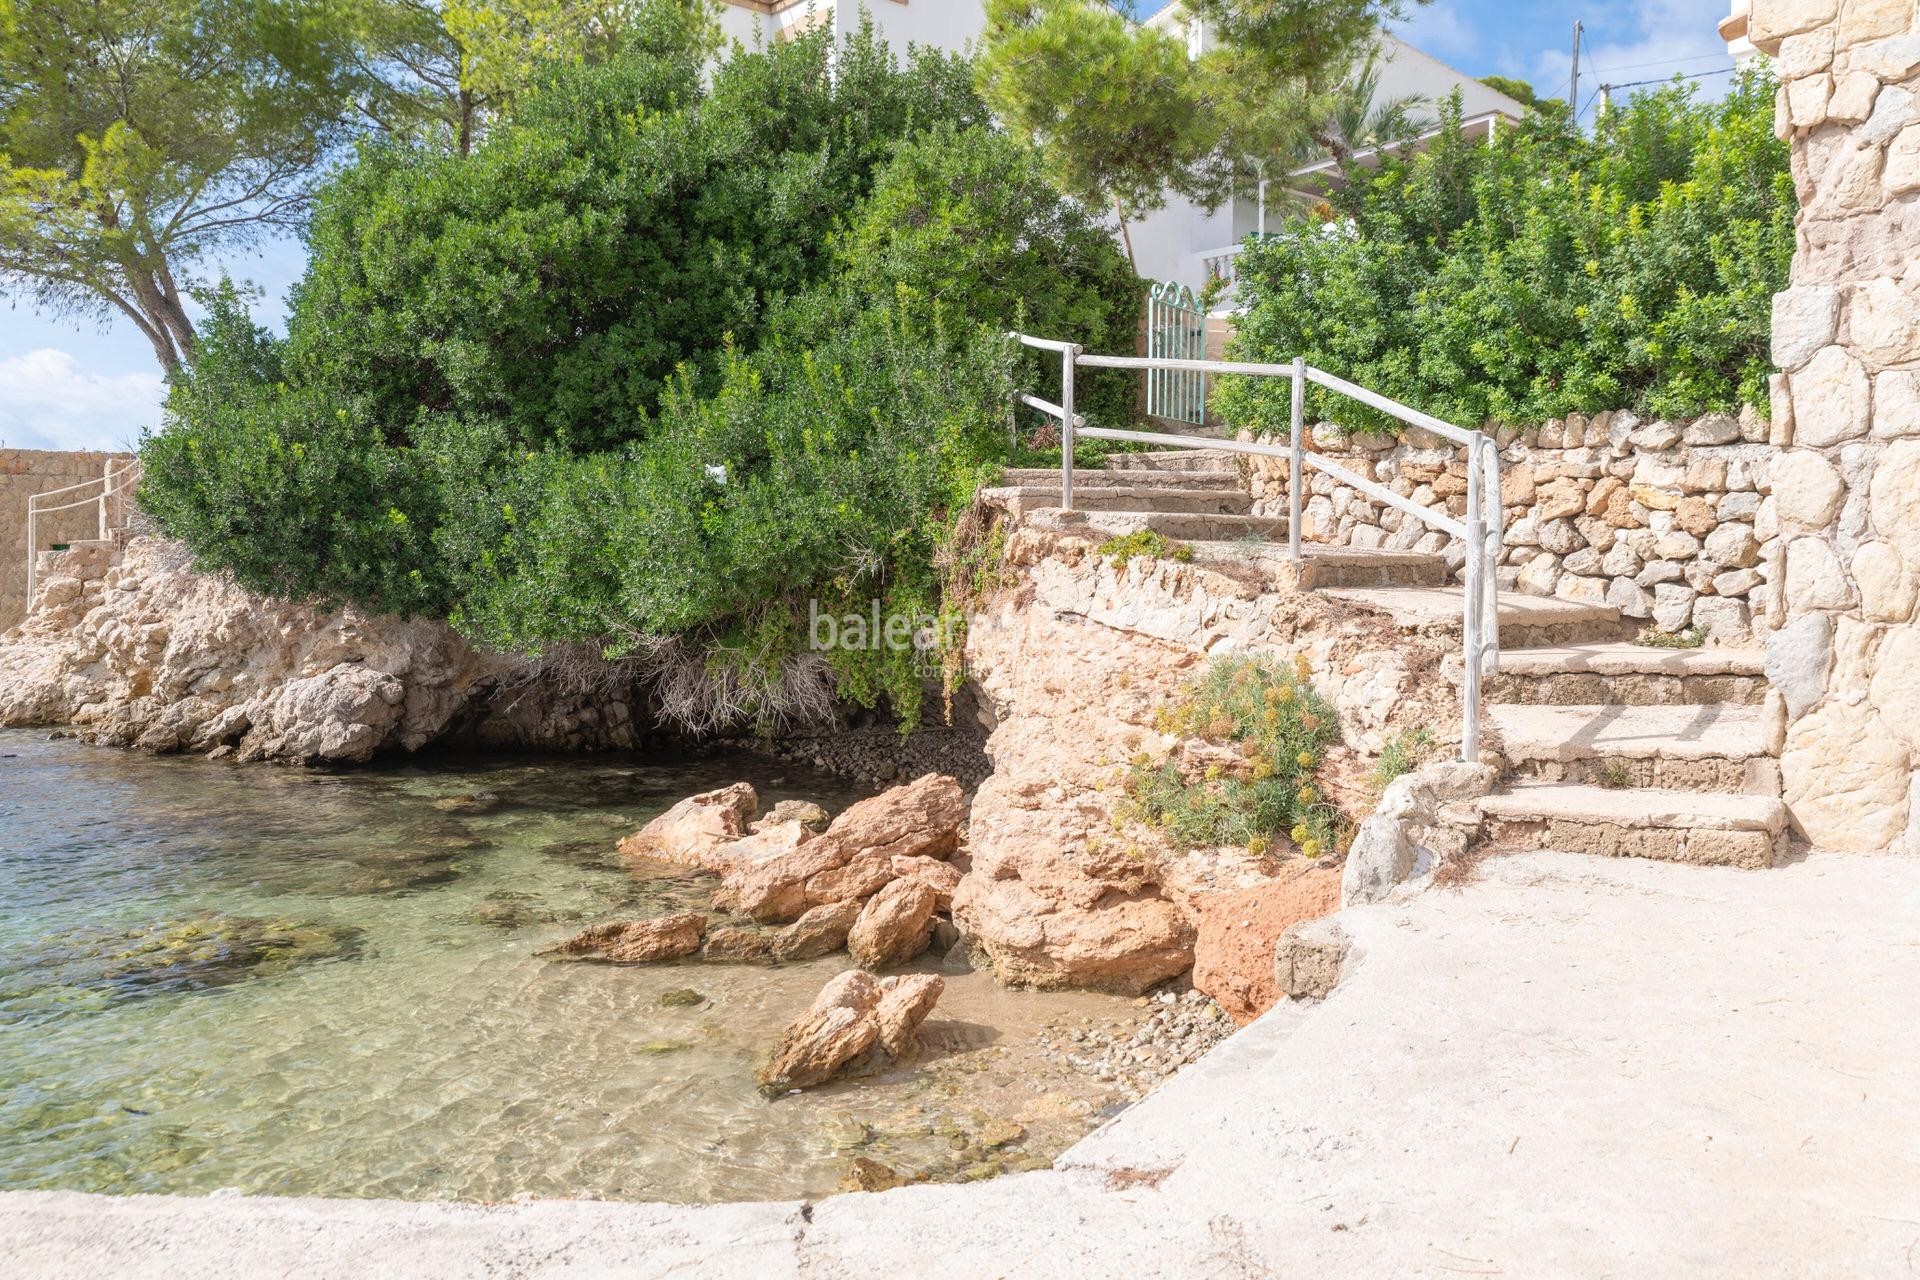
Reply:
x=805 y=812
x=942 y=877
x=857 y=1023
x=639 y=941
x=904 y=1004
x=870 y=1175
x=894 y=926
x=821 y=931
x=734 y=943
x=682 y=998
x=1238 y=930
x=854 y=857
x=692 y=829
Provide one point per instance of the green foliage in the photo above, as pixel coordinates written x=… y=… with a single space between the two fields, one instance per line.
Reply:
x=1546 y=274
x=624 y=224
x=1268 y=711
x=1143 y=542
x=1691 y=638
x=1124 y=116
x=967 y=220
x=1405 y=751
x=1519 y=90
x=290 y=488
x=139 y=136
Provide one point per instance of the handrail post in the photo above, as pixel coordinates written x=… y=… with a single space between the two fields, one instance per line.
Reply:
x=1473 y=619
x=1495 y=538
x=1066 y=426
x=1293 y=463
x=33 y=549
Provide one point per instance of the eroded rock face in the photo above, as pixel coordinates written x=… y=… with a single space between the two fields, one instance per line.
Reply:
x=1075 y=661
x=150 y=654
x=690 y=832
x=857 y=1023
x=639 y=941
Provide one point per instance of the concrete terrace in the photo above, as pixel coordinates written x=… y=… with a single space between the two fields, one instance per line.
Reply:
x=1571 y=1067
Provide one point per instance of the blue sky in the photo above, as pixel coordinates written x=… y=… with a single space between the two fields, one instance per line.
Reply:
x=71 y=384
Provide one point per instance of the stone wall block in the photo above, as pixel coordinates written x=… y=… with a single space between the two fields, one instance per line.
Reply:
x=1832 y=399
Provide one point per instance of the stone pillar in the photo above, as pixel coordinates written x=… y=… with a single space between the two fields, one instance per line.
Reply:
x=1842 y=522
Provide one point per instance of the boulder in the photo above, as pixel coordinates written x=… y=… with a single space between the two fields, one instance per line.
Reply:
x=736 y=944
x=894 y=926
x=691 y=830
x=819 y=931
x=805 y=812
x=942 y=877
x=857 y=1023
x=854 y=857
x=1237 y=930
x=639 y=941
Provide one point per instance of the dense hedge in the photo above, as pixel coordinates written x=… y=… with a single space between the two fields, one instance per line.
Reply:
x=658 y=365
x=1544 y=274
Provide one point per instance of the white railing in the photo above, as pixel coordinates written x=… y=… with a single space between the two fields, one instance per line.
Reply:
x=112 y=497
x=1480 y=638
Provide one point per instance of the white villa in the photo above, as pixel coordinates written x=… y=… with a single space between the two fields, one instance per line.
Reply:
x=945 y=24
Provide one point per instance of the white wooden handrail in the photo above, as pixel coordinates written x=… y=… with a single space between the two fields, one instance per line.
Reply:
x=113 y=484
x=1484 y=537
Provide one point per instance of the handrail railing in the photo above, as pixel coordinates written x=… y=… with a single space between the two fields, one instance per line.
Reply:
x=114 y=484
x=1480 y=620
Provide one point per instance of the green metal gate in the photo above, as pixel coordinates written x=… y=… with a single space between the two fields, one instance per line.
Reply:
x=1176 y=330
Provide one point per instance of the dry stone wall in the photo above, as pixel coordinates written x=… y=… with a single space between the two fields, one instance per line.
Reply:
x=1842 y=641
x=23 y=473
x=1664 y=520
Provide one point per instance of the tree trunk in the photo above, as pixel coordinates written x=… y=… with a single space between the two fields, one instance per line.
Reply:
x=1126 y=236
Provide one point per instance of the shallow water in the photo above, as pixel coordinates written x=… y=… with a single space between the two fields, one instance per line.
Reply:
x=377 y=1022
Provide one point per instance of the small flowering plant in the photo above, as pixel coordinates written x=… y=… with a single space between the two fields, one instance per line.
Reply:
x=1266 y=710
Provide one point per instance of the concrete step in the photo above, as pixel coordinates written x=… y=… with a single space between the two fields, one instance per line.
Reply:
x=1323 y=567
x=1525 y=621
x=1676 y=826
x=1139 y=478
x=1211 y=461
x=1718 y=747
x=1017 y=499
x=1622 y=673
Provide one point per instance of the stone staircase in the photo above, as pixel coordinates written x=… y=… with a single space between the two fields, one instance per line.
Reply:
x=1605 y=746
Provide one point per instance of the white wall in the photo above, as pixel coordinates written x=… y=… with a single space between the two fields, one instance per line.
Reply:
x=944 y=24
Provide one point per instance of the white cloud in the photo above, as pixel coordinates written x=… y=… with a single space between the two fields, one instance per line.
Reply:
x=1644 y=40
x=1437 y=29
x=48 y=401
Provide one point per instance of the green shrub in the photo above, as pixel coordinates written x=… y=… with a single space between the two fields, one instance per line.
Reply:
x=658 y=368
x=1143 y=542
x=1280 y=726
x=968 y=219
x=1543 y=274
x=1405 y=751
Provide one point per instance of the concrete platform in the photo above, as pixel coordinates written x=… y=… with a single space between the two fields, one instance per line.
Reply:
x=1425 y=606
x=1644 y=807
x=1161 y=498
x=1570 y=1068
x=1624 y=657
x=1716 y=731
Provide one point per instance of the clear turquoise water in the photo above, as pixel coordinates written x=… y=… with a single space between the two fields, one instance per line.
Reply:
x=412 y=1043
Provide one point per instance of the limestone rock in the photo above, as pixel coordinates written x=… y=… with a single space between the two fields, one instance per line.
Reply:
x=1732 y=546
x=1895 y=691
x=856 y=1023
x=1844 y=776
x=942 y=877
x=1807 y=489
x=150 y=653
x=1237 y=930
x=819 y=931
x=1883 y=323
x=1894 y=495
x=1814 y=577
x=1831 y=399
x=839 y=1027
x=905 y=1002
x=1308 y=959
x=853 y=858
x=693 y=828
x=1887 y=586
x=810 y=816
x=640 y=941
x=894 y=926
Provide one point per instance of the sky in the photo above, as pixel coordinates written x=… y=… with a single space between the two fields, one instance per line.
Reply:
x=68 y=383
